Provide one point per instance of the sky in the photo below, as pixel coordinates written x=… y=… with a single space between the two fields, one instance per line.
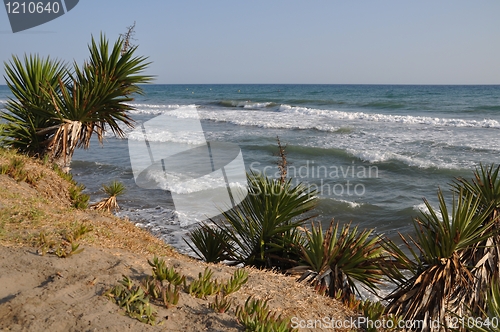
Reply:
x=283 y=41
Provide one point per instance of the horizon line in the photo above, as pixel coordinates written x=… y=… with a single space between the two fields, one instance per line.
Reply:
x=380 y=84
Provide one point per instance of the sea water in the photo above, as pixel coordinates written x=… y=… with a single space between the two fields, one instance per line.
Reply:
x=372 y=152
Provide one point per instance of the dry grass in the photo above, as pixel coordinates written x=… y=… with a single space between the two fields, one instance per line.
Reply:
x=26 y=210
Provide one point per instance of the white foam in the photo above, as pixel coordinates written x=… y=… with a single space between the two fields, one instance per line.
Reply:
x=406 y=119
x=181 y=114
x=158 y=135
x=374 y=157
x=152 y=108
x=182 y=184
x=352 y=205
x=309 y=118
x=256 y=105
x=421 y=208
x=247 y=104
x=288 y=117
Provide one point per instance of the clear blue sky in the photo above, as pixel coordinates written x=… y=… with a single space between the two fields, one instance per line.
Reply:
x=285 y=41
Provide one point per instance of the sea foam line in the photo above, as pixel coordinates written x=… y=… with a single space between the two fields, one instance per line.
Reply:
x=406 y=119
x=308 y=118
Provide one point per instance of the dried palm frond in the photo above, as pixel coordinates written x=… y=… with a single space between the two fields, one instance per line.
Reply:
x=491 y=322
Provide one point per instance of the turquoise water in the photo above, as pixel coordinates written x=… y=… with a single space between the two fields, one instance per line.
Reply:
x=372 y=151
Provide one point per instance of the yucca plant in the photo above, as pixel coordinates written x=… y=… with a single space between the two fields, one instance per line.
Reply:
x=336 y=260
x=440 y=280
x=288 y=246
x=113 y=190
x=29 y=80
x=485 y=255
x=212 y=244
x=263 y=230
x=486 y=186
x=57 y=109
x=263 y=226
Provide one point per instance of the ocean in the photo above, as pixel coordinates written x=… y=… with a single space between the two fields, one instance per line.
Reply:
x=372 y=151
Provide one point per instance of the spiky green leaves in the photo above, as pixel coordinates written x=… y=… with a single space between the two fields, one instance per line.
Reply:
x=486 y=186
x=262 y=230
x=441 y=280
x=29 y=79
x=255 y=315
x=484 y=255
x=58 y=109
x=442 y=233
x=113 y=189
x=269 y=214
x=212 y=244
x=340 y=257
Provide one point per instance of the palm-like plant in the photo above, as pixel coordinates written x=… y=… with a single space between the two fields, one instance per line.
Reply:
x=337 y=259
x=441 y=280
x=57 y=110
x=29 y=80
x=113 y=190
x=263 y=228
x=485 y=255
